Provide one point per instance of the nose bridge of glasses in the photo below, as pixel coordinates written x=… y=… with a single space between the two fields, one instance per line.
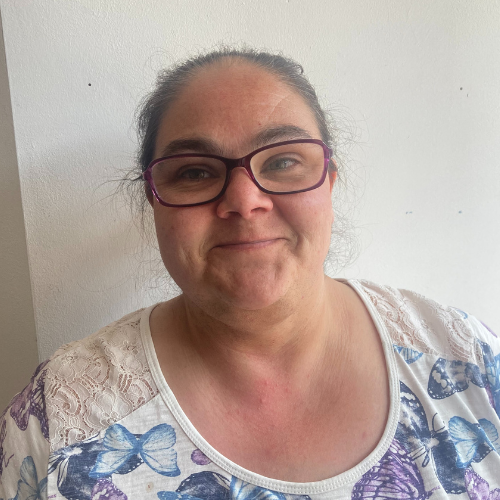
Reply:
x=236 y=163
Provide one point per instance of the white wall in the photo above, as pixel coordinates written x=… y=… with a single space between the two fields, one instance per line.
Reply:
x=419 y=79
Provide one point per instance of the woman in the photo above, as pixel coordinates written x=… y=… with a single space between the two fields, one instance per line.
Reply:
x=264 y=378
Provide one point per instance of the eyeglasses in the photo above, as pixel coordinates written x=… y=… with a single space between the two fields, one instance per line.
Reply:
x=188 y=180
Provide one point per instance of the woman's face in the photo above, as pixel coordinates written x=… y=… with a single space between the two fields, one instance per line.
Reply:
x=248 y=249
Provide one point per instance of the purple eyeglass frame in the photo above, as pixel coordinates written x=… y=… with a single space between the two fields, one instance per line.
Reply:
x=244 y=162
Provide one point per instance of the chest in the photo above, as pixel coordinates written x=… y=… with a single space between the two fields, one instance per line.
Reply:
x=300 y=441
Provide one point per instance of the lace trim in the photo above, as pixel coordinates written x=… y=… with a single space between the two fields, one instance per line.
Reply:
x=92 y=383
x=424 y=325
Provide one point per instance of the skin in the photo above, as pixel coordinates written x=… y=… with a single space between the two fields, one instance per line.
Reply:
x=262 y=351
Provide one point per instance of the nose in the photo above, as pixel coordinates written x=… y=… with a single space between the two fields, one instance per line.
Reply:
x=243 y=197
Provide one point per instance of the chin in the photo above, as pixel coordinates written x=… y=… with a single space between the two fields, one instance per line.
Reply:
x=256 y=291
x=250 y=303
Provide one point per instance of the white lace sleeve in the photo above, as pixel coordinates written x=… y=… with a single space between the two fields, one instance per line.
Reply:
x=425 y=325
x=94 y=382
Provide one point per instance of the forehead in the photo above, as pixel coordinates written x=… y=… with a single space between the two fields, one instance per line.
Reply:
x=231 y=103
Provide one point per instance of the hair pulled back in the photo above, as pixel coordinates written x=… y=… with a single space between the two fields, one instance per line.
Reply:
x=172 y=81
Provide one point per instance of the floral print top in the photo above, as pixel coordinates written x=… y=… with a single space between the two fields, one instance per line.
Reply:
x=98 y=420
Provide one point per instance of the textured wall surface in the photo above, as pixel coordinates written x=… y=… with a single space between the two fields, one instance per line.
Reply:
x=417 y=82
x=18 y=350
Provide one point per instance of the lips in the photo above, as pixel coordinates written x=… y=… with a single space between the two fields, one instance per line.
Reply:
x=247 y=243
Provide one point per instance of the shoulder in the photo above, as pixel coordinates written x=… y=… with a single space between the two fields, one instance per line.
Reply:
x=96 y=381
x=85 y=387
x=418 y=322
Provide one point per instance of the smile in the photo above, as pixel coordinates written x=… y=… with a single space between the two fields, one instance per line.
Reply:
x=248 y=245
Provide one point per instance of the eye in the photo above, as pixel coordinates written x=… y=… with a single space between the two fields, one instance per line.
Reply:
x=280 y=164
x=195 y=174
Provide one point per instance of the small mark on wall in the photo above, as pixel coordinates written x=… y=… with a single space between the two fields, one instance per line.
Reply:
x=90 y=85
x=408 y=213
x=460 y=211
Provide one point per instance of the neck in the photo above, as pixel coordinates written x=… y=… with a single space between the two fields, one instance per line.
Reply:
x=285 y=342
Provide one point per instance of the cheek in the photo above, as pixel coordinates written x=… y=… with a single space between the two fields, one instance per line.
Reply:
x=312 y=215
x=180 y=235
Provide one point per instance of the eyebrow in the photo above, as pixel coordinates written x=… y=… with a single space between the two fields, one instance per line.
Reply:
x=207 y=146
x=278 y=134
x=196 y=145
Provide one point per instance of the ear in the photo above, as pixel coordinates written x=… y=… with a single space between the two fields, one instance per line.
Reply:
x=332 y=175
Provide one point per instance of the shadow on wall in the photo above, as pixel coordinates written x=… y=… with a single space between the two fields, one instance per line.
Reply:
x=18 y=349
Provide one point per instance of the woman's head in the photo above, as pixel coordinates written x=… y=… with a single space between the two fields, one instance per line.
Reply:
x=165 y=110
x=248 y=249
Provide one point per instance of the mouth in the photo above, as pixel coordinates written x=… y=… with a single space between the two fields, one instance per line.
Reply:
x=248 y=244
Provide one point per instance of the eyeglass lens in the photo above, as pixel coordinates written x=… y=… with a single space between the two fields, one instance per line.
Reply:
x=280 y=169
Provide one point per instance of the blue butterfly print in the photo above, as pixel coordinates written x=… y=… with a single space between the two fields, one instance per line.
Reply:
x=172 y=495
x=204 y=485
x=419 y=440
x=462 y=313
x=212 y=486
x=409 y=355
x=73 y=465
x=155 y=447
x=240 y=490
x=472 y=441
x=28 y=487
x=448 y=377
x=492 y=365
x=395 y=476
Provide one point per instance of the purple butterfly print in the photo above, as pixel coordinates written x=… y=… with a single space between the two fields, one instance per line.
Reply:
x=31 y=401
x=4 y=461
x=199 y=458
x=478 y=488
x=396 y=476
x=106 y=490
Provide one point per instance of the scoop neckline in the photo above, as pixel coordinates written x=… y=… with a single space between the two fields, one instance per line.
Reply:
x=288 y=487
